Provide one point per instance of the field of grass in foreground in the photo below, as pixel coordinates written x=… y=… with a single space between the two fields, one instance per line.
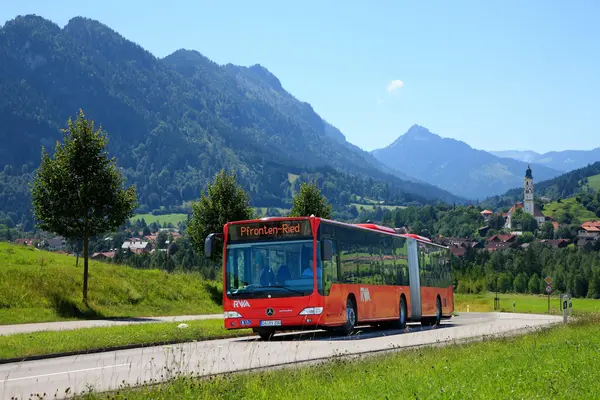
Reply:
x=555 y=363
x=41 y=343
x=525 y=303
x=40 y=286
x=161 y=219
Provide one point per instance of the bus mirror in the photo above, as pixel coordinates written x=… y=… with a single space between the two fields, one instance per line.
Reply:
x=208 y=245
x=327 y=249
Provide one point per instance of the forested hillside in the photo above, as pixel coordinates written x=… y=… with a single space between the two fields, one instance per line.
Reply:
x=172 y=123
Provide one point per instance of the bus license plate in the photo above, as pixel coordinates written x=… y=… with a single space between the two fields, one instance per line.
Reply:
x=270 y=323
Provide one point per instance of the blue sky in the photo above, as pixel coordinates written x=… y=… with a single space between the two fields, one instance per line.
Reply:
x=497 y=75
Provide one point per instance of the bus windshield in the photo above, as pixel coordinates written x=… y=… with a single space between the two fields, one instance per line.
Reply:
x=270 y=269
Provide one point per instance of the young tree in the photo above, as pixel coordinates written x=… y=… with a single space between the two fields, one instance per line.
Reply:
x=496 y=222
x=161 y=240
x=224 y=201
x=309 y=201
x=79 y=192
x=547 y=231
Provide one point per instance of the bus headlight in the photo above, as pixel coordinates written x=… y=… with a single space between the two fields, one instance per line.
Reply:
x=312 y=311
x=232 y=314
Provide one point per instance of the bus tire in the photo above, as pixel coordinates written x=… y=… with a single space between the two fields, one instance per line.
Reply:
x=265 y=334
x=351 y=317
x=403 y=315
x=437 y=319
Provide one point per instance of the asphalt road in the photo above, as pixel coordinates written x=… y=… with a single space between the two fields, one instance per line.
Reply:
x=107 y=371
x=69 y=325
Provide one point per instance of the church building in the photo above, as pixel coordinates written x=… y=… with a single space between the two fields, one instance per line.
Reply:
x=528 y=204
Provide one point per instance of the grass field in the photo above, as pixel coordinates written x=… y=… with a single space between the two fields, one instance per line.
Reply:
x=161 y=219
x=369 y=207
x=557 y=210
x=42 y=343
x=524 y=303
x=39 y=286
x=594 y=182
x=556 y=363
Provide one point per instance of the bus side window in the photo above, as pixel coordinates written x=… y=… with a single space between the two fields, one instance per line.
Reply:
x=330 y=270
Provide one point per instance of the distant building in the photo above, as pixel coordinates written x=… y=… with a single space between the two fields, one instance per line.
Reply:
x=589 y=233
x=502 y=238
x=528 y=204
x=56 y=243
x=103 y=255
x=493 y=246
x=556 y=243
x=486 y=214
x=137 y=246
x=24 y=242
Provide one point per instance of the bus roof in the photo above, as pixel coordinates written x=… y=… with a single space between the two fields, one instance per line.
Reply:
x=367 y=226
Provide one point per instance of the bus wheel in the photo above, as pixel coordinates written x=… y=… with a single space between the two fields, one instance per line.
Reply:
x=265 y=334
x=438 y=311
x=403 y=313
x=348 y=327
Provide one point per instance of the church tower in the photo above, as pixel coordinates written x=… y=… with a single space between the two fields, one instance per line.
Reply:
x=528 y=187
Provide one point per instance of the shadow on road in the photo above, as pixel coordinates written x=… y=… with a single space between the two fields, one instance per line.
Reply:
x=360 y=333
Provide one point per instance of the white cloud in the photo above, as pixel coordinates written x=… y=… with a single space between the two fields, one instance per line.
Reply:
x=394 y=85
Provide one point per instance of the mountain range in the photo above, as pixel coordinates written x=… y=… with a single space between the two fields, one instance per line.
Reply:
x=564 y=161
x=455 y=166
x=174 y=122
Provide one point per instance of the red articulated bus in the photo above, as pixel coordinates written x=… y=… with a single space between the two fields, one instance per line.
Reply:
x=363 y=274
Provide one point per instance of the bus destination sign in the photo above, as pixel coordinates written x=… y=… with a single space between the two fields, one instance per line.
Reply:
x=265 y=230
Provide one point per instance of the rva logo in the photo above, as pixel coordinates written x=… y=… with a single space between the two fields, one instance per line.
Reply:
x=240 y=303
x=364 y=294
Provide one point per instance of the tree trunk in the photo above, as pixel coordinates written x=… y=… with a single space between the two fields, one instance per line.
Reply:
x=85 y=267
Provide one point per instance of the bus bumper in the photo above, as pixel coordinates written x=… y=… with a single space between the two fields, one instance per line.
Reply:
x=309 y=317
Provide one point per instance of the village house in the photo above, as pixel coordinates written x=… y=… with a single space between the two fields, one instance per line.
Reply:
x=136 y=245
x=493 y=246
x=24 y=242
x=459 y=246
x=486 y=214
x=556 y=243
x=502 y=238
x=589 y=233
x=103 y=255
x=55 y=244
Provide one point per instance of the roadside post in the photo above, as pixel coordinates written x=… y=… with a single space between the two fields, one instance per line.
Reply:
x=514 y=306
x=548 y=281
x=564 y=307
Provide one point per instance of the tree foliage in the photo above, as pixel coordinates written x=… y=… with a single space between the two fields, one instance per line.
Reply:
x=79 y=191
x=224 y=201
x=309 y=201
x=572 y=270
